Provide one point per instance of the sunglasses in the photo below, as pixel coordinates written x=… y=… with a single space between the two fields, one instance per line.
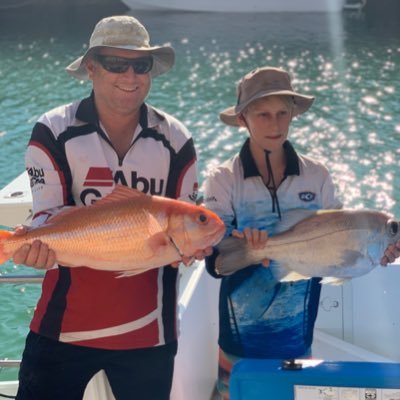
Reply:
x=119 y=65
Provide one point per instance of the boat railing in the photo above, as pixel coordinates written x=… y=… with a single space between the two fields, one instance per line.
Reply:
x=21 y=279
x=10 y=363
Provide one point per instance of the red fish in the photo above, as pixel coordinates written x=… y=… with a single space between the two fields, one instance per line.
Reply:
x=126 y=231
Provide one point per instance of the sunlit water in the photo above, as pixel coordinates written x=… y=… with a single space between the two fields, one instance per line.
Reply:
x=347 y=63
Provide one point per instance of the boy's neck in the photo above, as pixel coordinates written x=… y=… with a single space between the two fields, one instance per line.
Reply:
x=277 y=159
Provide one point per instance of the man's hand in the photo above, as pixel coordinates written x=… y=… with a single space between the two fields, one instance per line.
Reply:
x=37 y=255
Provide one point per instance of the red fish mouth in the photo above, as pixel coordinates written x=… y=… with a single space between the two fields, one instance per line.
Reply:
x=215 y=237
x=209 y=240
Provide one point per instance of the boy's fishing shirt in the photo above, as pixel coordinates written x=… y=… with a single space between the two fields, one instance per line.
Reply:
x=260 y=317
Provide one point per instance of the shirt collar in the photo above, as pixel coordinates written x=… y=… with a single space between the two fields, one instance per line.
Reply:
x=87 y=111
x=249 y=165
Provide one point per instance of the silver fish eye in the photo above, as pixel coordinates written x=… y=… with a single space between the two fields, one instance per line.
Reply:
x=393 y=227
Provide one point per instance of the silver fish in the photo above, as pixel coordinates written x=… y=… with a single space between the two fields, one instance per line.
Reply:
x=336 y=245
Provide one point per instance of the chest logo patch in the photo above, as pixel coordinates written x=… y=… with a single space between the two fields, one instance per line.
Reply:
x=306 y=196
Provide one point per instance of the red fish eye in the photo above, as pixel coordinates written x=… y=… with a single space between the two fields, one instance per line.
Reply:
x=202 y=218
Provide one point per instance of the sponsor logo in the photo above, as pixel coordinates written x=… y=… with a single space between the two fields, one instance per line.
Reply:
x=195 y=192
x=99 y=177
x=210 y=199
x=307 y=196
x=36 y=176
x=103 y=177
x=370 y=394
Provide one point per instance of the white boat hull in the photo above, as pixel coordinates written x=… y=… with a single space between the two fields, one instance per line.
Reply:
x=238 y=5
x=16 y=202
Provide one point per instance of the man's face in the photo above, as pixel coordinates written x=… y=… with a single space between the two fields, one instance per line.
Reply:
x=120 y=93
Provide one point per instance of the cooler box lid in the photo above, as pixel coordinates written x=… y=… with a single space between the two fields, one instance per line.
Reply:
x=337 y=380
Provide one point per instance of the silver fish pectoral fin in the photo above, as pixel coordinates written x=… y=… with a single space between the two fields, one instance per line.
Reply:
x=356 y=264
x=352 y=257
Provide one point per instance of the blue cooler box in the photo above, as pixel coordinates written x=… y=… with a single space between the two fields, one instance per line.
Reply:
x=339 y=380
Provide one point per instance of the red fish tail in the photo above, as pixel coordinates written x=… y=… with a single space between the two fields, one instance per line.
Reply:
x=4 y=235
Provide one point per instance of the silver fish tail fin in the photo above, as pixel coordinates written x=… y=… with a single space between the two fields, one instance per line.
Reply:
x=234 y=255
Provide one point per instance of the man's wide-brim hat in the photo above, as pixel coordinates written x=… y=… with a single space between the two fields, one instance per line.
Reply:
x=123 y=32
x=263 y=82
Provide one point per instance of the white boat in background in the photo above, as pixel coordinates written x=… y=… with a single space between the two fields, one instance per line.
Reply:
x=350 y=318
x=9 y=4
x=238 y=5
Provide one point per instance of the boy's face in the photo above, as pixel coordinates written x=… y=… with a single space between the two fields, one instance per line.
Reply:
x=267 y=120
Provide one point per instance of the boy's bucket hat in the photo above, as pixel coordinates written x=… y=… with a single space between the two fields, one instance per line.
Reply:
x=263 y=82
x=124 y=32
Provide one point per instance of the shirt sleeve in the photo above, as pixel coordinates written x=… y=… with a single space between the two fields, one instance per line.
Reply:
x=187 y=184
x=47 y=179
x=218 y=197
x=182 y=177
x=218 y=188
x=330 y=200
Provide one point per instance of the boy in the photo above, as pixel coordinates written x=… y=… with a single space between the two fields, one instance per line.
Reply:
x=260 y=317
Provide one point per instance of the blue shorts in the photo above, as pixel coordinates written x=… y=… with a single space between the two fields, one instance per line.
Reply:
x=54 y=370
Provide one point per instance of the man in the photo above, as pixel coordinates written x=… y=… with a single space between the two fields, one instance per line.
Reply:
x=87 y=320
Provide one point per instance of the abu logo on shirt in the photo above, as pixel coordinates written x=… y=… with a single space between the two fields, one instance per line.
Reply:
x=36 y=176
x=99 y=176
x=307 y=196
x=103 y=177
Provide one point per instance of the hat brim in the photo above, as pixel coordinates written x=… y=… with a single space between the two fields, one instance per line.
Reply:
x=163 y=60
x=302 y=104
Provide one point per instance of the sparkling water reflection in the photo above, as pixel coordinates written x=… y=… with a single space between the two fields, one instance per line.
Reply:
x=348 y=64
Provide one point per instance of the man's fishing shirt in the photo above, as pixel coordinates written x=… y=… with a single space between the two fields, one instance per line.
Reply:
x=259 y=317
x=71 y=162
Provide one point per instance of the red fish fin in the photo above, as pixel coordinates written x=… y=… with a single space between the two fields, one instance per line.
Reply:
x=127 y=274
x=4 y=235
x=159 y=243
x=62 y=214
x=120 y=193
